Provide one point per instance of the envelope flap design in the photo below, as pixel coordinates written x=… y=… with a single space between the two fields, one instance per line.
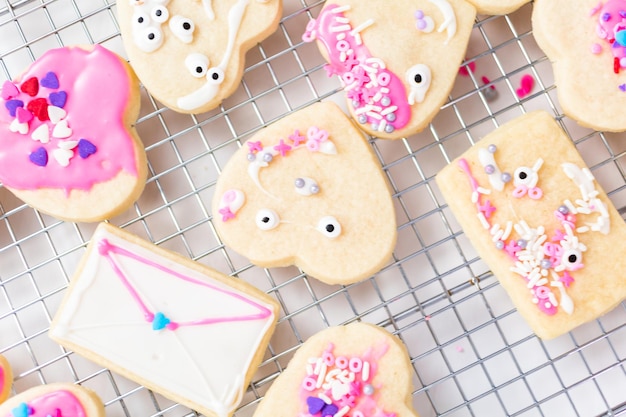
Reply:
x=180 y=329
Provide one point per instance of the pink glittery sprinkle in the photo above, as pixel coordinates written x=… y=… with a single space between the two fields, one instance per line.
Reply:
x=255 y=146
x=296 y=138
x=282 y=147
x=566 y=279
x=487 y=209
x=596 y=48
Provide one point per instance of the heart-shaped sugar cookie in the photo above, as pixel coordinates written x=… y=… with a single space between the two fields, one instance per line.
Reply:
x=308 y=191
x=371 y=363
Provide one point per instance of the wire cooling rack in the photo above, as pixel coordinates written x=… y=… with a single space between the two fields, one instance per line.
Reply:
x=471 y=353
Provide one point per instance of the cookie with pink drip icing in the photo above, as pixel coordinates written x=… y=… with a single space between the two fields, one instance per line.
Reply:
x=58 y=399
x=586 y=42
x=6 y=379
x=397 y=61
x=68 y=144
x=357 y=370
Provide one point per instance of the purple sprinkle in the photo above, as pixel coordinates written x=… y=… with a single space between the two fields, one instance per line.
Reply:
x=58 y=99
x=420 y=24
x=419 y=14
x=315 y=405
x=506 y=177
x=12 y=106
x=86 y=148
x=522 y=243
x=50 y=81
x=499 y=245
x=622 y=87
x=622 y=13
x=39 y=157
x=606 y=17
x=490 y=169
x=546 y=264
x=329 y=410
x=492 y=148
x=563 y=209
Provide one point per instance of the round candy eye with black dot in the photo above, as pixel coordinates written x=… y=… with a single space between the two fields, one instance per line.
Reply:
x=572 y=259
x=141 y=20
x=329 y=227
x=267 y=219
x=418 y=77
x=160 y=14
x=182 y=28
x=149 y=39
x=215 y=75
x=525 y=176
x=197 y=64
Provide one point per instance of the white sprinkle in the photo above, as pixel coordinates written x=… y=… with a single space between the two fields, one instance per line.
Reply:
x=377 y=97
x=483 y=220
x=374 y=115
x=382 y=125
x=474 y=197
x=343 y=56
x=341 y=9
x=341 y=36
x=389 y=109
x=542 y=281
x=498 y=235
x=365 y=373
x=340 y=28
x=559 y=268
x=342 y=20
x=494 y=229
x=552 y=299
x=384 y=90
x=482 y=190
x=309 y=369
x=544 y=272
x=324 y=398
x=588 y=174
x=332 y=375
x=342 y=412
x=362 y=26
x=321 y=376
x=582 y=229
x=570 y=206
x=507 y=230
x=357 y=39
x=318 y=366
x=361 y=110
x=376 y=62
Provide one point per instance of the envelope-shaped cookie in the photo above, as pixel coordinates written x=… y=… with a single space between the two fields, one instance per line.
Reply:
x=397 y=60
x=357 y=370
x=308 y=191
x=178 y=328
x=539 y=219
x=586 y=42
x=190 y=53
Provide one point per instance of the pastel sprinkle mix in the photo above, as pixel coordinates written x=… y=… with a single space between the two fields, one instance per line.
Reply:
x=9 y=90
x=50 y=80
x=86 y=148
x=39 y=108
x=12 y=106
x=58 y=98
x=22 y=410
x=39 y=157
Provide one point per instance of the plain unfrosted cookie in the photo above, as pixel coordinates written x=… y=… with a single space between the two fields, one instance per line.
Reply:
x=355 y=370
x=68 y=145
x=6 y=379
x=190 y=53
x=590 y=77
x=497 y=7
x=396 y=60
x=308 y=191
x=537 y=217
x=182 y=329
x=58 y=399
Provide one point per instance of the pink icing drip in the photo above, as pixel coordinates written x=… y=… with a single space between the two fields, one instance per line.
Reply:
x=2 y=379
x=98 y=89
x=62 y=403
x=323 y=30
x=105 y=248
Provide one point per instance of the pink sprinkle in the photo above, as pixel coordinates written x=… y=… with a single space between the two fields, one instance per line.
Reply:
x=460 y=349
x=255 y=146
x=526 y=86
x=596 y=48
x=466 y=69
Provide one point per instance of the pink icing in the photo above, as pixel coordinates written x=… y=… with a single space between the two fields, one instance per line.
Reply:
x=1 y=379
x=366 y=81
x=105 y=249
x=97 y=87
x=62 y=403
x=611 y=20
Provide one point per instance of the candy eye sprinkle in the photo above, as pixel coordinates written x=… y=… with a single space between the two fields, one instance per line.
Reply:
x=329 y=227
x=267 y=219
x=215 y=75
x=160 y=14
x=572 y=259
x=141 y=20
x=197 y=64
x=419 y=78
x=182 y=28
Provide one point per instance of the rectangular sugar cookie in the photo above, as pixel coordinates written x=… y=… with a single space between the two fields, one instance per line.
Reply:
x=177 y=327
x=535 y=214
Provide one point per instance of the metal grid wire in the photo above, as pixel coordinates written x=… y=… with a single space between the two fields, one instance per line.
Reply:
x=471 y=352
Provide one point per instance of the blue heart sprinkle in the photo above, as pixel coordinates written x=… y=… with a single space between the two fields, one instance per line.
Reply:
x=315 y=405
x=22 y=410
x=86 y=148
x=160 y=321
x=58 y=99
x=620 y=37
x=39 y=157
x=50 y=81
x=12 y=106
x=329 y=410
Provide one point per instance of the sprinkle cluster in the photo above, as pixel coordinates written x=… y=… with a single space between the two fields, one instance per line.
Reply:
x=545 y=261
x=38 y=109
x=337 y=386
x=315 y=140
x=611 y=28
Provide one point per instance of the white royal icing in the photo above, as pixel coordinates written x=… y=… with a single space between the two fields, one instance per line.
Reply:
x=203 y=363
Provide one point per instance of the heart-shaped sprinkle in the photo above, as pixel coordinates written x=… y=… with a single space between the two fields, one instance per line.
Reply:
x=622 y=87
x=315 y=405
x=62 y=130
x=63 y=156
x=22 y=410
x=17 y=127
x=86 y=148
x=30 y=87
x=339 y=389
x=160 y=322
x=50 y=81
x=12 y=106
x=329 y=410
x=23 y=115
x=56 y=114
x=39 y=157
x=67 y=144
x=58 y=98
x=9 y=90
x=39 y=107
x=41 y=134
